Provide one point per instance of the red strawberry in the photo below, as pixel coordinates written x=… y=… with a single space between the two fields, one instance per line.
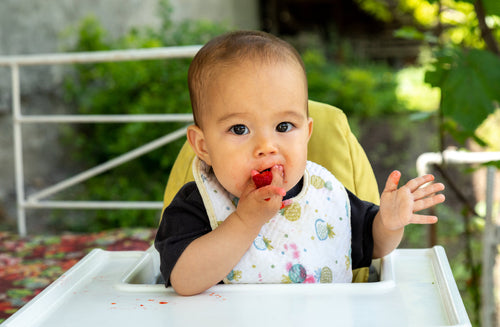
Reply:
x=263 y=179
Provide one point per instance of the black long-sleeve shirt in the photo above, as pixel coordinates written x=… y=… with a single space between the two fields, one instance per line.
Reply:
x=186 y=219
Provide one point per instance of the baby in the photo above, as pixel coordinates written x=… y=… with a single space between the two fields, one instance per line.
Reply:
x=250 y=104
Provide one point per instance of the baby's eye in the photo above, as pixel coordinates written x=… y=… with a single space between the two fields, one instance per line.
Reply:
x=284 y=127
x=239 y=129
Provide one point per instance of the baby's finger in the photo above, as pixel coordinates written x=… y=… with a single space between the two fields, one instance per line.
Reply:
x=277 y=171
x=392 y=181
x=428 y=190
x=415 y=183
x=423 y=219
x=428 y=202
x=249 y=188
x=272 y=190
x=272 y=194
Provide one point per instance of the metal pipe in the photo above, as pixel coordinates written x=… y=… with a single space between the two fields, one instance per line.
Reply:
x=18 y=149
x=101 y=56
x=453 y=157
x=93 y=205
x=491 y=234
x=490 y=240
x=107 y=165
x=135 y=118
x=79 y=58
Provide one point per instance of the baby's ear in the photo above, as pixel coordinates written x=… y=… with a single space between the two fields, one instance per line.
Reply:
x=196 y=139
x=310 y=127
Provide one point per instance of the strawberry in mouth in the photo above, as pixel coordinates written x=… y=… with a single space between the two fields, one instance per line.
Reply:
x=262 y=179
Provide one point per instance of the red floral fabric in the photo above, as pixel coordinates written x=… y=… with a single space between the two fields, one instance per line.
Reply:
x=28 y=265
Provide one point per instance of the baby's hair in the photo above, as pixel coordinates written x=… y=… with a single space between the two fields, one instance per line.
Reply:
x=230 y=49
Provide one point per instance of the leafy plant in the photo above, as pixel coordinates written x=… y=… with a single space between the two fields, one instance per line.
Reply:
x=469 y=80
x=135 y=87
x=464 y=36
x=361 y=90
x=466 y=68
x=466 y=60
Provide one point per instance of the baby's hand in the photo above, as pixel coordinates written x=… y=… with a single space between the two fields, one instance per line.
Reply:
x=398 y=206
x=263 y=179
x=261 y=200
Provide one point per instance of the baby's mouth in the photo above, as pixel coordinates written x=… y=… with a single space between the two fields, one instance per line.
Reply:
x=278 y=165
x=267 y=170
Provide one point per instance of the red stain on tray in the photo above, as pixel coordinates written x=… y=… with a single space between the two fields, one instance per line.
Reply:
x=218 y=296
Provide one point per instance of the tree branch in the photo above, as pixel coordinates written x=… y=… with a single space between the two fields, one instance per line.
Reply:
x=461 y=196
x=488 y=37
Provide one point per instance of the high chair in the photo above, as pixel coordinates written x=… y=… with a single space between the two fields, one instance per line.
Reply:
x=416 y=286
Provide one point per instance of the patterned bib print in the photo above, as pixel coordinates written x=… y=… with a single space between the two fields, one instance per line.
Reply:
x=307 y=241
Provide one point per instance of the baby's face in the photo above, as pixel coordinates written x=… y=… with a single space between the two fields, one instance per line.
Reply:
x=257 y=118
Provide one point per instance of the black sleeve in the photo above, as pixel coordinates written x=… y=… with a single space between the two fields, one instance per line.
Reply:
x=183 y=221
x=362 y=215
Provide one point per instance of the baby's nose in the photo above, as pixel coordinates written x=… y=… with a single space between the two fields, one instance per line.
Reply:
x=265 y=147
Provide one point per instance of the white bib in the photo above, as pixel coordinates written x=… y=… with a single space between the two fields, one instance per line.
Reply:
x=308 y=241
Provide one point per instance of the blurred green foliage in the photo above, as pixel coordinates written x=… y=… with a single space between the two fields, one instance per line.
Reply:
x=464 y=36
x=134 y=87
x=160 y=86
x=362 y=90
x=470 y=89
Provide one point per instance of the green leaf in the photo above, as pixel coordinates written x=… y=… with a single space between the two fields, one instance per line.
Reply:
x=439 y=71
x=470 y=83
x=492 y=163
x=492 y=7
x=409 y=32
x=464 y=99
x=437 y=76
x=458 y=134
x=421 y=115
x=376 y=8
x=487 y=67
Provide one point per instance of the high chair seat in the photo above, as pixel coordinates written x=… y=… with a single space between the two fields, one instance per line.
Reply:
x=332 y=145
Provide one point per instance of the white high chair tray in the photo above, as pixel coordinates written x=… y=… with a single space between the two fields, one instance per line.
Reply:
x=118 y=289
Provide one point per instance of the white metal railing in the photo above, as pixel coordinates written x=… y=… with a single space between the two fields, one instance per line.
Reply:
x=36 y=200
x=491 y=234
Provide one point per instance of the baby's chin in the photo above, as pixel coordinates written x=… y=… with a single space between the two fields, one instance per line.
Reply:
x=234 y=190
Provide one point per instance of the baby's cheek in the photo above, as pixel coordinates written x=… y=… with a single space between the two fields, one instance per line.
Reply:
x=293 y=175
x=236 y=185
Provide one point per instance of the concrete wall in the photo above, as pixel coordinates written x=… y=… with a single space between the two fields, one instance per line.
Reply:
x=240 y=13
x=31 y=27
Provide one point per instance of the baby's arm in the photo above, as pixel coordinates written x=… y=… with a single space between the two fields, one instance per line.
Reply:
x=209 y=258
x=398 y=207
